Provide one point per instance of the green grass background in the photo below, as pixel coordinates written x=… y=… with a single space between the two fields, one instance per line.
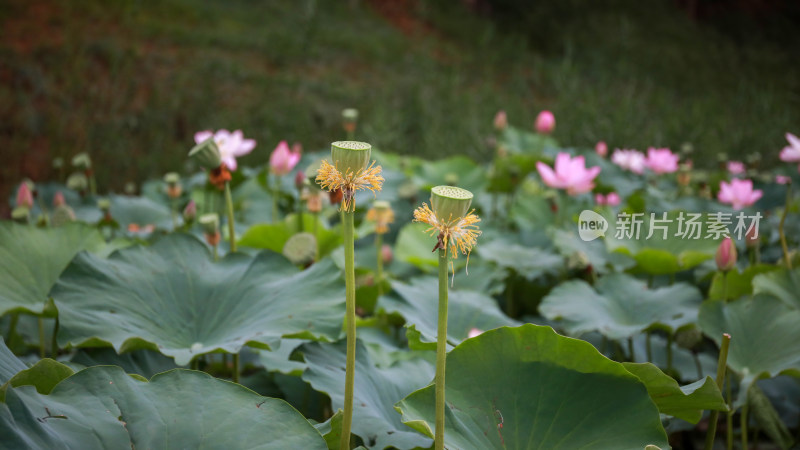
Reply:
x=130 y=81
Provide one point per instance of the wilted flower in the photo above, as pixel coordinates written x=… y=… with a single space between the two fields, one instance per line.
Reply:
x=451 y=219
x=738 y=193
x=190 y=211
x=230 y=145
x=791 y=153
x=24 y=196
x=386 y=253
x=382 y=214
x=782 y=179
x=601 y=148
x=612 y=199
x=58 y=199
x=726 y=255
x=545 y=122
x=282 y=160
x=500 y=120
x=736 y=167
x=349 y=172
x=631 y=160
x=661 y=160
x=570 y=174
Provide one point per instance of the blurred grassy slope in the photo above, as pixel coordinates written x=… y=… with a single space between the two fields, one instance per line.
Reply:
x=131 y=81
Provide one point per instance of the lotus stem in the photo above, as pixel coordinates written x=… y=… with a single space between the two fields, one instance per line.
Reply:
x=12 y=327
x=379 y=262
x=276 y=188
x=721 y=364
x=231 y=228
x=350 y=323
x=41 y=337
x=648 y=347
x=54 y=343
x=630 y=349
x=743 y=425
x=441 y=351
x=725 y=286
x=729 y=431
x=781 y=228
x=235 y=369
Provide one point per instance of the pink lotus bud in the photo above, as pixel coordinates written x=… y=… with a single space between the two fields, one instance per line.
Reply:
x=751 y=237
x=473 y=332
x=282 y=160
x=545 y=122
x=783 y=179
x=299 y=179
x=24 y=196
x=736 y=167
x=601 y=148
x=726 y=255
x=386 y=253
x=500 y=120
x=58 y=199
x=190 y=212
x=600 y=199
x=612 y=199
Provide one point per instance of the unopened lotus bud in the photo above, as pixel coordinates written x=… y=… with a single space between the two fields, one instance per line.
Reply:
x=545 y=122
x=190 y=211
x=386 y=253
x=82 y=161
x=62 y=214
x=77 y=181
x=726 y=255
x=601 y=148
x=104 y=205
x=688 y=337
x=301 y=249
x=500 y=120
x=751 y=237
x=58 y=199
x=474 y=332
x=300 y=180
x=349 y=119
x=24 y=196
x=58 y=163
x=20 y=214
x=350 y=156
x=206 y=154
x=450 y=203
x=451 y=179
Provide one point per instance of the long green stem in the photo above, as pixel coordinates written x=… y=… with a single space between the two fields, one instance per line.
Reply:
x=743 y=425
x=781 y=232
x=41 y=337
x=350 y=325
x=276 y=189
x=441 y=351
x=379 y=262
x=54 y=344
x=721 y=364
x=729 y=400
x=174 y=207
x=231 y=227
x=12 y=327
x=235 y=369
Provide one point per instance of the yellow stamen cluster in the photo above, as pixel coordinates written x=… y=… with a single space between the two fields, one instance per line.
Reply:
x=382 y=218
x=330 y=178
x=461 y=233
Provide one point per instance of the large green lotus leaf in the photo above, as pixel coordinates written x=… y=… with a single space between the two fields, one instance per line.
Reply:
x=734 y=284
x=31 y=259
x=44 y=375
x=621 y=306
x=274 y=236
x=783 y=284
x=687 y=402
x=529 y=262
x=456 y=170
x=517 y=140
x=10 y=365
x=141 y=362
x=569 y=244
x=418 y=303
x=765 y=338
x=547 y=391
x=253 y=201
x=377 y=389
x=414 y=246
x=128 y=210
x=173 y=297
x=102 y=407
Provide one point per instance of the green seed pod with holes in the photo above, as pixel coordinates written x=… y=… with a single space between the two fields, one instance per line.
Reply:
x=350 y=156
x=301 y=249
x=450 y=203
x=206 y=154
x=209 y=222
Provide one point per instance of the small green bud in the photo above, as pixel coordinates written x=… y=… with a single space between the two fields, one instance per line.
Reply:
x=350 y=114
x=301 y=249
x=172 y=178
x=82 y=161
x=350 y=156
x=206 y=154
x=104 y=204
x=63 y=214
x=20 y=214
x=450 y=203
x=209 y=222
x=77 y=181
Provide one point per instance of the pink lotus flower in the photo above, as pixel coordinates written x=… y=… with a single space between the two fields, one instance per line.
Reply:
x=791 y=153
x=736 y=167
x=738 y=193
x=661 y=160
x=282 y=160
x=570 y=174
x=726 y=255
x=629 y=160
x=474 y=332
x=612 y=199
x=24 y=196
x=601 y=149
x=500 y=120
x=782 y=179
x=231 y=145
x=545 y=122
x=58 y=199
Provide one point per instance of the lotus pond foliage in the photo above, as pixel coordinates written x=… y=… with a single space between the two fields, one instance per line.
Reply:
x=354 y=297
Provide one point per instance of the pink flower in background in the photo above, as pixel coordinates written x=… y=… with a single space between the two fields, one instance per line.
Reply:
x=601 y=149
x=231 y=145
x=282 y=160
x=190 y=211
x=738 y=193
x=58 y=199
x=791 y=153
x=473 y=332
x=736 y=167
x=612 y=199
x=782 y=179
x=629 y=160
x=500 y=120
x=570 y=174
x=661 y=160
x=24 y=196
x=726 y=255
x=545 y=122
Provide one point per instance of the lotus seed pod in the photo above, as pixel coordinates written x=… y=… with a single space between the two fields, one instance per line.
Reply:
x=20 y=214
x=350 y=156
x=104 y=204
x=350 y=114
x=301 y=249
x=206 y=154
x=450 y=203
x=172 y=178
x=62 y=214
x=77 y=182
x=688 y=337
x=82 y=161
x=209 y=222
x=190 y=212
